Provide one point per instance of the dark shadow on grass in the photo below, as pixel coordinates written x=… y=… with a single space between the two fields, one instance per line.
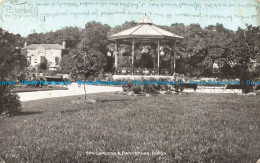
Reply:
x=70 y=111
x=115 y=100
x=25 y=113
x=76 y=110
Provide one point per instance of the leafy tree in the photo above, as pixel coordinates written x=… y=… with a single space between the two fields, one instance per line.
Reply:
x=85 y=64
x=218 y=42
x=69 y=34
x=95 y=40
x=68 y=62
x=122 y=27
x=35 y=38
x=9 y=102
x=192 y=48
x=245 y=49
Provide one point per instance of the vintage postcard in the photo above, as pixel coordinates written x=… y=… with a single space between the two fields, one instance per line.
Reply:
x=129 y=81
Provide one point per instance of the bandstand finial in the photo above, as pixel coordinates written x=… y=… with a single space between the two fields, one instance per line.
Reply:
x=145 y=20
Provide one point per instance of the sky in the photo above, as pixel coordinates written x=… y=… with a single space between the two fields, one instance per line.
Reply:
x=28 y=16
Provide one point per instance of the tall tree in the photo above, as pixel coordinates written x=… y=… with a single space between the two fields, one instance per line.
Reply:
x=95 y=40
x=218 y=43
x=85 y=64
x=246 y=49
x=10 y=58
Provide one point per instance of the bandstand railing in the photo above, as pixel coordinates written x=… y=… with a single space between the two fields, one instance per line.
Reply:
x=144 y=71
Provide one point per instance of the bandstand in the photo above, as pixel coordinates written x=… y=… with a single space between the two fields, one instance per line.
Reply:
x=146 y=32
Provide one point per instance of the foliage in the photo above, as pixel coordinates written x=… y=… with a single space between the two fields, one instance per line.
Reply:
x=122 y=27
x=150 y=89
x=11 y=64
x=129 y=85
x=67 y=62
x=136 y=89
x=69 y=34
x=246 y=49
x=9 y=102
x=95 y=40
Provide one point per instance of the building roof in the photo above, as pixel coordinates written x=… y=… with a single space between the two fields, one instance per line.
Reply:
x=144 y=30
x=44 y=46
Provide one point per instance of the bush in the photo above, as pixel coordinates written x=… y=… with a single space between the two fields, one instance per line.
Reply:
x=9 y=102
x=136 y=89
x=151 y=89
x=257 y=87
x=129 y=85
x=125 y=88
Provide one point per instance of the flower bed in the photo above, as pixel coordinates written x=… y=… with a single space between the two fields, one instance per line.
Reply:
x=150 y=85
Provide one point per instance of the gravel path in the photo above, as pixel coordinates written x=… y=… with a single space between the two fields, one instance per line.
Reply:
x=73 y=90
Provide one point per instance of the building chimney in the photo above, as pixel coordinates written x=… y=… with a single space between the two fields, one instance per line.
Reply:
x=63 y=44
x=25 y=44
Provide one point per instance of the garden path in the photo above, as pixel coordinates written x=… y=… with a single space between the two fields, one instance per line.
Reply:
x=73 y=90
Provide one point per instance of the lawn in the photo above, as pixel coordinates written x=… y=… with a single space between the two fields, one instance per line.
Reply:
x=119 y=128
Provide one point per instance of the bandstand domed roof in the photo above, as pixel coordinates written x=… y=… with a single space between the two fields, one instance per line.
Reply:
x=145 y=30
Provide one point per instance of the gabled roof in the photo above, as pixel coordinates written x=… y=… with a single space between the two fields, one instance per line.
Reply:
x=144 y=30
x=44 y=46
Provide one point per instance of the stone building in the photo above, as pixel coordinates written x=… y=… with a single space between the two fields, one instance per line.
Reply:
x=44 y=55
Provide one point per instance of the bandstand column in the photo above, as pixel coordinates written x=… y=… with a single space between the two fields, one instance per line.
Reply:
x=158 y=57
x=133 y=53
x=116 y=53
x=174 y=60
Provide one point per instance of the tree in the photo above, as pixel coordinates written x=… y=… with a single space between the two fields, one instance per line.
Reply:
x=85 y=64
x=122 y=27
x=68 y=62
x=245 y=49
x=35 y=38
x=218 y=43
x=93 y=37
x=192 y=49
x=95 y=40
x=9 y=60
x=69 y=34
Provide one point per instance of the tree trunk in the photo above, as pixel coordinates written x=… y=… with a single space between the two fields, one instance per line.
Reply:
x=85 y=91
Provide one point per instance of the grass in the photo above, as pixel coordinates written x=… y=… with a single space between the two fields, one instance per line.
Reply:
x=182 y=128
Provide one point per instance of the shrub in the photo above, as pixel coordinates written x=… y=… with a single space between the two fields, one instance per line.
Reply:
x=257 y=87
x=163 y=87
x=151 y=89
x=179 y=88
x=9 y=102
x=136 y=89
x=130 y=84
x=125 y=88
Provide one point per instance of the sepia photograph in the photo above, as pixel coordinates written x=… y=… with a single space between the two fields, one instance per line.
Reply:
x=115 y=81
